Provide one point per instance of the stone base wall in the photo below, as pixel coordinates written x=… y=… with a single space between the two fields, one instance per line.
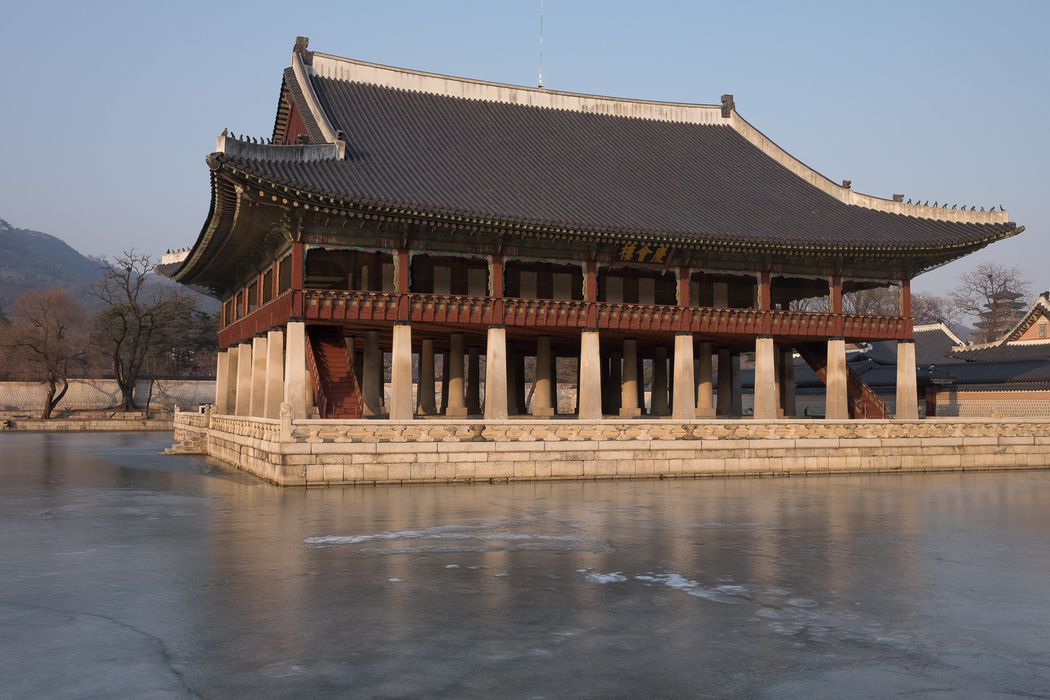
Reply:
x=99 y=394
x=71 y=425
x=326 y=452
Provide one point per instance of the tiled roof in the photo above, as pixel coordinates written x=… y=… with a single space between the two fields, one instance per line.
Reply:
x=587 y=171
x=1004 y=352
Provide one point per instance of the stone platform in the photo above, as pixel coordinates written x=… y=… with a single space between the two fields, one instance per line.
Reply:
x=368 y=452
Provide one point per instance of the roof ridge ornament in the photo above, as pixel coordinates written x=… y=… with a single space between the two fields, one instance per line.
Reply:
x=301 y=42
x=727 y=106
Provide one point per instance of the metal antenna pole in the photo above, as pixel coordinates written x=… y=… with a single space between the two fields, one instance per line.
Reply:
x=541 y=44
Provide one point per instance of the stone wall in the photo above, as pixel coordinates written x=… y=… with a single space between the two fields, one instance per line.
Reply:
x=99 y=394
x=321 y=452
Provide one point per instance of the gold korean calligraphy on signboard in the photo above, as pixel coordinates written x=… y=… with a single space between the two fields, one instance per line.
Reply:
x=644 y=253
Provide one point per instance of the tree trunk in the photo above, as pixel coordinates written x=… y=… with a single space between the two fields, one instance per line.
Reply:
x=52 y=399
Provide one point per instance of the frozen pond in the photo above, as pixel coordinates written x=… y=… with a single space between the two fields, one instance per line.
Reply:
x=128 y=574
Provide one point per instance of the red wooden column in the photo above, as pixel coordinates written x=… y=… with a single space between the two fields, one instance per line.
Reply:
x=836 y=295
x=905 y=298
x=401 y=284
x=298 y=311
x=685 y=315
x=590 y=293
x=765 y=300
x=496 y=288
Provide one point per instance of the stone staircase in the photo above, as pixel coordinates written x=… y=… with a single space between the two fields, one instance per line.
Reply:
x=333 y=374
x=863 y=401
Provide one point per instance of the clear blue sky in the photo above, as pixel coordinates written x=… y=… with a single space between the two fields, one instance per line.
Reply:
x=108 y=108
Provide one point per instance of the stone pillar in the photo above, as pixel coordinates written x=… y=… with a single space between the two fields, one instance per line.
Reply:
x=615 y=380
x=734 y=369
x=296 y=383
x=222 y=381
x=444 y=382
x=512 y=381
x=907 y=389
x=658 y=400
x=274 y=389
x=401 y=373
x=629 y=389
x=372 y=376
x=787 y=382
x=836 y=406
x=725 y=384
x=682 y=403
x=704 y=383
x=427 y=406
x=258 y=400
x=589 y=391
x=543 y=390
x=496 y=374
x=457 y=404
x=519 y=407
x=474 y=381
x=231 y=379
x=766 y=398
x=244 y=380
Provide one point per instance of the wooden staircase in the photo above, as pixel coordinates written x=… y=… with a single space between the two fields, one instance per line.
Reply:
x=863 y=401
x=336 y=390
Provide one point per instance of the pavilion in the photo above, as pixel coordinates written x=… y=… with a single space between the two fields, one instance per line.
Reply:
x=421 y=215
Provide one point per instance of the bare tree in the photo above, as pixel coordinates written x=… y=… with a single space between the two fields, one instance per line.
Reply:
x=48 y=332
x=993 y=294
x=880 y=301
x=133 y=319
x=928 y=308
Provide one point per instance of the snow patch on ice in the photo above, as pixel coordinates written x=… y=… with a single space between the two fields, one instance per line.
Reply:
x=614 y=577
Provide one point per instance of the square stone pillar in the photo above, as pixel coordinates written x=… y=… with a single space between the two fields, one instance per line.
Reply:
x=222 y=387
x=766 y=394
x=907 y=389
x=519 y=407
x=734 y=373
x=444 y=382
x=787 y=382
x=683 y=403
x=474 y=380
x=401 y=403
x=543 y=391
x=244 y=380
x=496 y=374
x=234 y=353
x=705 y=394
x=658 y=405
x=274 y=385
x=457 y=403
x=629 y=386
x=372 y=376
x=296 y=383
x=258 y=400
x=836 y=406
x=615 y=381
x=427 y=403
x=725 y=383
x=589 y=391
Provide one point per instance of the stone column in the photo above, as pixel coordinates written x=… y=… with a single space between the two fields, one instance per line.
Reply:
x=836 y=406
x=244 y=380
x=231 y=379
x=766 y=398
x=372 y=376
x=427 y=406
x=519 y=407
x=683 y=404
x=658 y=401
x=512 y=381
x=734 y=369
x=704 y=383
x=907 y=389
x=274 y=389
x=542 y=392
x=787 y=382
x=589 y=391
x=725 y=384
x=615 y=380
x=296 y=383
x=474 y=380
x=457 y=405
x=258 y=400
x=444 y=382
x=222 y=381
x=496 y=374
x=629 y=389
x=401 y=373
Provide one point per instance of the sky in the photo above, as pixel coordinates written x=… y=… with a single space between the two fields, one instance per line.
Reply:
x=109 y=108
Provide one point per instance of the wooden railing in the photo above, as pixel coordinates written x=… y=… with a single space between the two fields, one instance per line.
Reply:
x=443 y=308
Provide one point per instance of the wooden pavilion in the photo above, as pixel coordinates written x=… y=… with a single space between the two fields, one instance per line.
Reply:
x=420 y=215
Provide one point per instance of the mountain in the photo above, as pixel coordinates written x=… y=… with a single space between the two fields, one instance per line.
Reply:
x=35 y=260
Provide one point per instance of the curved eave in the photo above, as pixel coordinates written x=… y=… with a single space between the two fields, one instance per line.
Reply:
x=328 y=203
